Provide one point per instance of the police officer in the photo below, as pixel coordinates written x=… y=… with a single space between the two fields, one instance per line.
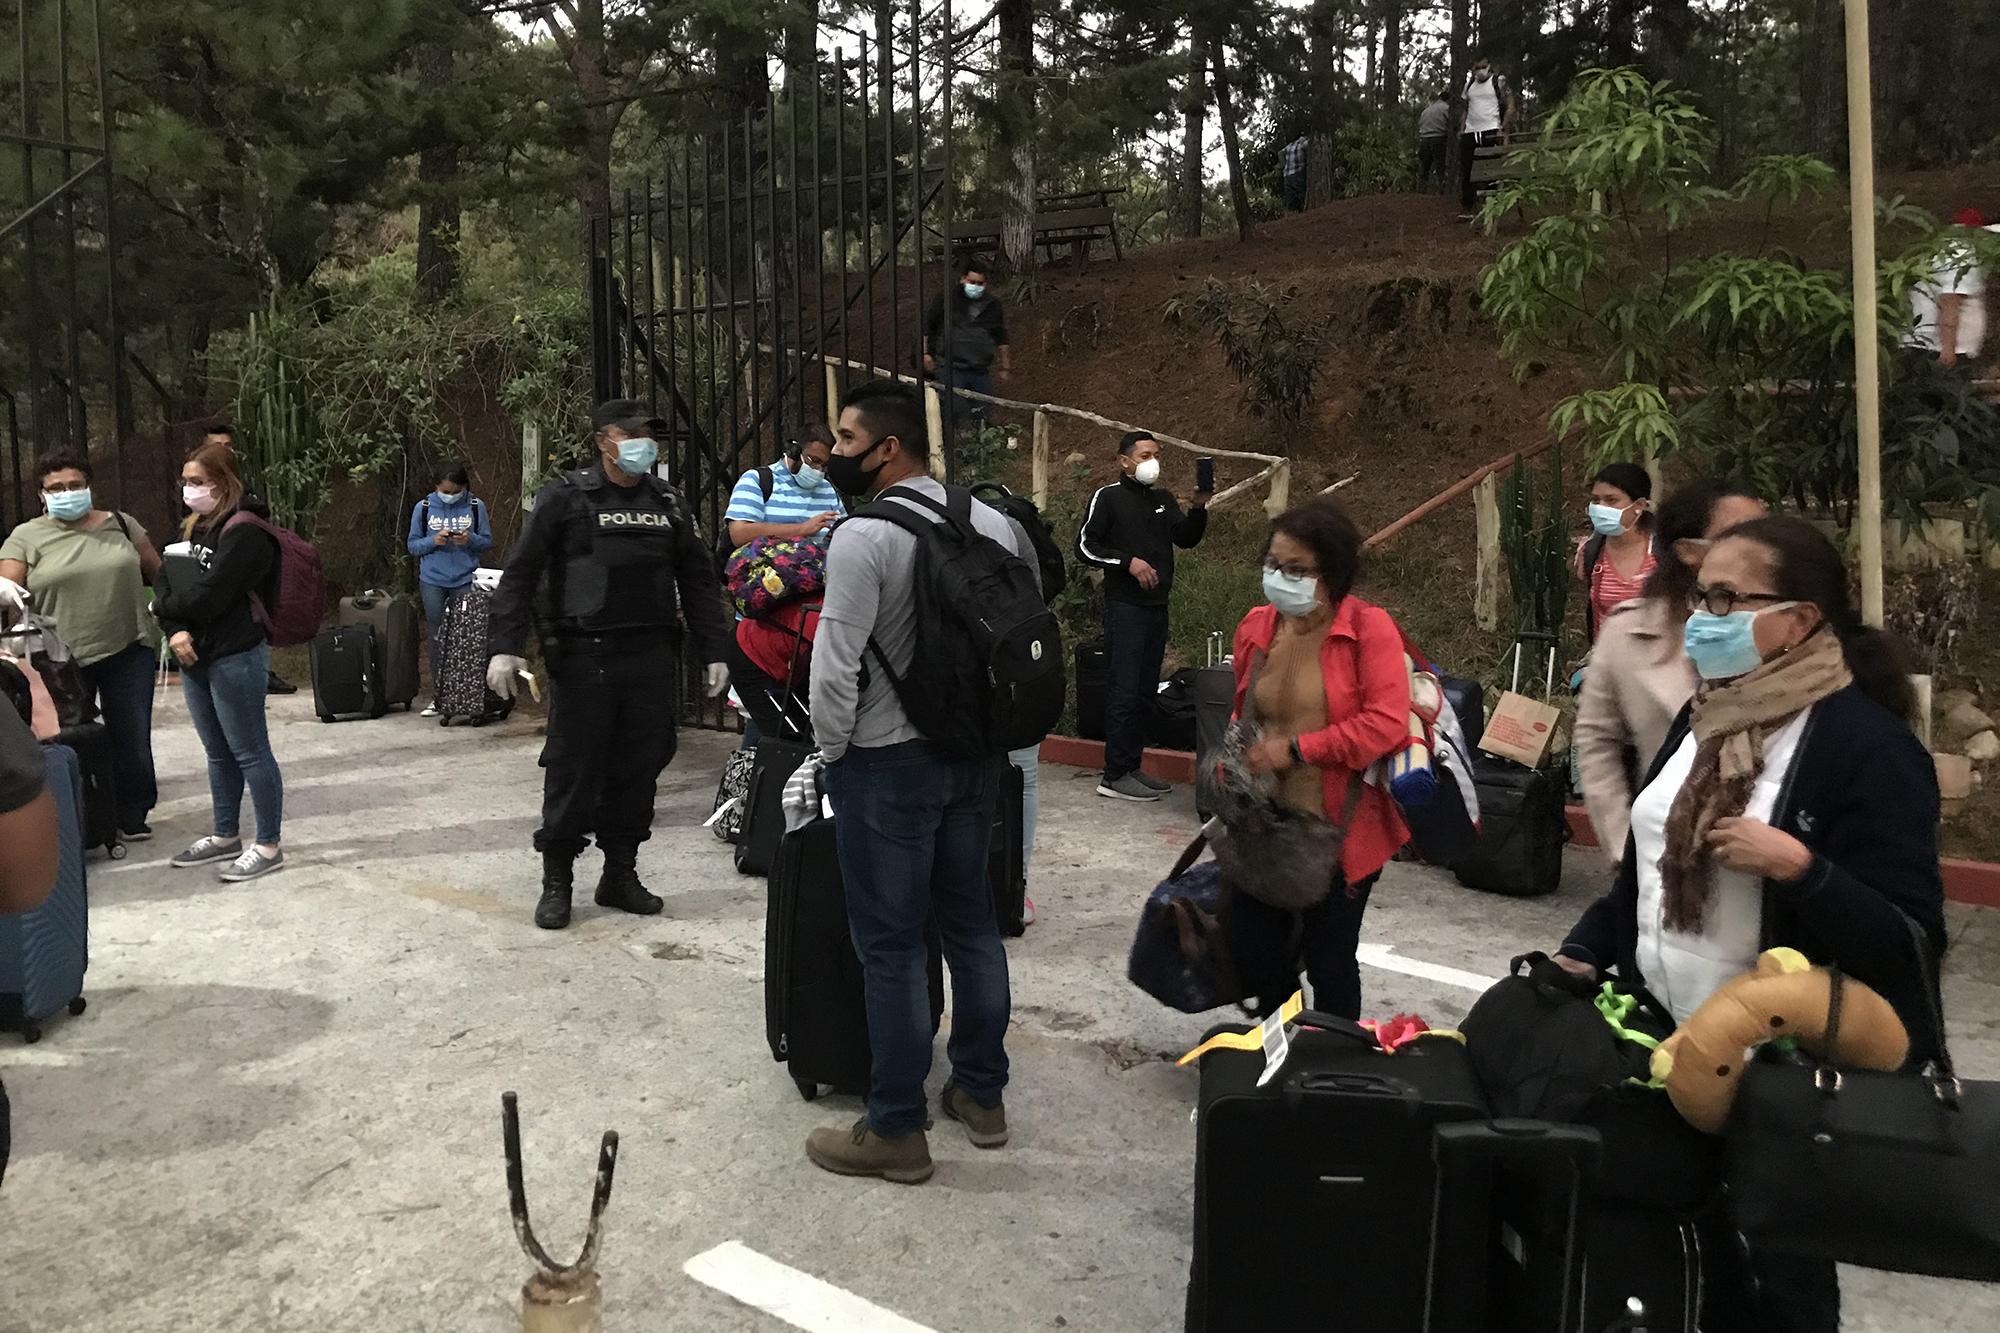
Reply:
x=629 y=583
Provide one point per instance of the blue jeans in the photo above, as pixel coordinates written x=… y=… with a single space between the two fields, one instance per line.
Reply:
x=1135 y=640
x=1029 y=760
x=912 y=825
x=435 y=599
x=123 y=684
x=225 y=700
x=958 y=411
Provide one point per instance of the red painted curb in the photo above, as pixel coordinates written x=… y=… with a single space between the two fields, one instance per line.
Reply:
x=1974 y=883
x=1166 y=765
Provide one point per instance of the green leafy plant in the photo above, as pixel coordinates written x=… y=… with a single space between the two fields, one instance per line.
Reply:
x=1743 y=358
x=1270 y=348
x=1535 y=539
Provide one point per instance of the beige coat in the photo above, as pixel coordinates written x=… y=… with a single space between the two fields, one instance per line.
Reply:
x=1639 y=678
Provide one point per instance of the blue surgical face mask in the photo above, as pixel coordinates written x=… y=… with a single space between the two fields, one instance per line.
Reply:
x=1607 y=520
x=456 y=497
x=1292 y=596
x=1724 y=647
x=636 y=457
x=809 y=477
x=974 y=290
x=68 y=506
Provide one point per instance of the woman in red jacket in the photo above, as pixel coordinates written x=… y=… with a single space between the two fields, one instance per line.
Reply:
x=1333 y=697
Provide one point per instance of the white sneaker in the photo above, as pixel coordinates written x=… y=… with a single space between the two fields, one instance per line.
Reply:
x=430 y=709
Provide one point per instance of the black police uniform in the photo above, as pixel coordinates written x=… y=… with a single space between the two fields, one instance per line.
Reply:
x=630 y=586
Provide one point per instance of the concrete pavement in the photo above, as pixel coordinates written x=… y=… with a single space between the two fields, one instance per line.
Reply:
x=281 y=1111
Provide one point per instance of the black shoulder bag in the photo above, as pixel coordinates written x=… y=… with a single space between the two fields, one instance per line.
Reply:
x=1899 y=1171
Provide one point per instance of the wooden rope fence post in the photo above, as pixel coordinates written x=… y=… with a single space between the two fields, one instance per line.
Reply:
x=1486 y=526
x=1042 y=459
x=934 y=423
x=832 y=396
x=1281 y=488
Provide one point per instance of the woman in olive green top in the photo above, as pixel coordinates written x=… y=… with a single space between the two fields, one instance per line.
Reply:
x=86 y=569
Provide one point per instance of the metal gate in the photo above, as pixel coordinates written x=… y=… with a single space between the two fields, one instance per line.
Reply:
x=768 y=263
x=64 y=354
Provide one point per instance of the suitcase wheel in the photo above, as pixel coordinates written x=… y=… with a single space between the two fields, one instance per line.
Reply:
x=76 y=1006
x=30 y=1033
x=326 y=717
x=808 y=1089
x=115 y=850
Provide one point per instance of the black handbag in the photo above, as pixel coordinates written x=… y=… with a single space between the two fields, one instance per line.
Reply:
x=1899 y=1171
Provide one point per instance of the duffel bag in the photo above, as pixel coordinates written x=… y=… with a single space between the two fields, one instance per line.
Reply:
x=1180 y=955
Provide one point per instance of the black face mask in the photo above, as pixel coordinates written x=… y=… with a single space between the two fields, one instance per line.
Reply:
x=849 y=477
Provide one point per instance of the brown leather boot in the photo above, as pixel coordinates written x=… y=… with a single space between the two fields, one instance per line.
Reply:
x=860 y=1151
x=986 y=1128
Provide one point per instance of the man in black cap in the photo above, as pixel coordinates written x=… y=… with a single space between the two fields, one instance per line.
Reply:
x=630 y=584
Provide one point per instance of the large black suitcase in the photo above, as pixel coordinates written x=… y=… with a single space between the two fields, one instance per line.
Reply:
x=1093 y=686
x=815 y=1011
x=398 y=638
x=1170 y=725
x=1006 y=859
x=92 y=744
x=1522 y=830
x=1214 y=700
x=346 y=681
x=1468 y=700
x=1298 y=1183
x=763 y=812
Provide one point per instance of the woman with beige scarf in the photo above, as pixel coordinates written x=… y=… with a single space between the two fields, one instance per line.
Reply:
x=1791 y=805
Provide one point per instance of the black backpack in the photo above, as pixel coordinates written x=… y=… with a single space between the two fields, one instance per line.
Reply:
x=724 y=548
x=1593 y=551
x=1048 y=554
x=987 y=673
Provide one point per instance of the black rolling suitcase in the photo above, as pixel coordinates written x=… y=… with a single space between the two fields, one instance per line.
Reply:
x=1526 y=1242
x=346 y=681
x=92 y=744
x=763 y=808
x=1214 y=699
x=1302 y=1185
x=815 y=1013
x=460 y=690
x=1006 y=861
x=1522 y=829
x=1093 y=686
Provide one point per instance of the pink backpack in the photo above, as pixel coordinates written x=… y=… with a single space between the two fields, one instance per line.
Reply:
x=293 y=615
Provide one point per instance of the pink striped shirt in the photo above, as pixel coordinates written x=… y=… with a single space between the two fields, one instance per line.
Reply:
x=1608 y=587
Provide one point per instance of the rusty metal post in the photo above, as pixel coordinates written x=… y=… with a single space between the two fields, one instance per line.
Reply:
x=559 y=1298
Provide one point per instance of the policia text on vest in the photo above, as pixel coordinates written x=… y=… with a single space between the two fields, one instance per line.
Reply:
x=626 y=587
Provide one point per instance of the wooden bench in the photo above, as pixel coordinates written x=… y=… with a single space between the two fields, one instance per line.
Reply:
x=1494 y=165
x=1076 y=220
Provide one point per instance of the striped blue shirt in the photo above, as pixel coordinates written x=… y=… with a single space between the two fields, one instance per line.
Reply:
x=788 y=503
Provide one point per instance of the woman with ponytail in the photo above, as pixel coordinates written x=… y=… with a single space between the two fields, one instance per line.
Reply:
x=1791 y=805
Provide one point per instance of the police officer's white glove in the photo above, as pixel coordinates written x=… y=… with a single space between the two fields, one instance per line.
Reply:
x=13 y=597
x=718 y=680
x=503 y=674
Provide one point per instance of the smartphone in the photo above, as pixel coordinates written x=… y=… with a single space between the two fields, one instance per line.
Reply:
x=1204 y=475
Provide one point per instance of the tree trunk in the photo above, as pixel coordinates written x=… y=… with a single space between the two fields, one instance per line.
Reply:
x=1672 y=24
x=1392 y=52
x=1016 y=136
x=1823 y=79
x=1225 y=109
x=1621 y=20
x=437 y=178
x=1323 y=66
x=1945 y=131
x=1194 y=108
x=1369 y=83
x=1454 y=81
x=1889 y=78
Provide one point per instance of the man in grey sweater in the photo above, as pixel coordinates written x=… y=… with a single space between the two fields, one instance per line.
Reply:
x=911 y=821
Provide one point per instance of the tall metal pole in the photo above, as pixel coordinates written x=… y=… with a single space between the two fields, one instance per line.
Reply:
x=1867 y=336
x=950 y=277
x=114 y=337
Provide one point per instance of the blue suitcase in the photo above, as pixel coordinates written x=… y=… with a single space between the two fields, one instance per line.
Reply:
x=43 y=953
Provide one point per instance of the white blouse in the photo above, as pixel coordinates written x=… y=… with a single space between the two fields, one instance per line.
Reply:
x=1681 y=968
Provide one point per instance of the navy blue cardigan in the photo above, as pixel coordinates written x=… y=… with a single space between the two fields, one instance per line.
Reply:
x=1862 y=795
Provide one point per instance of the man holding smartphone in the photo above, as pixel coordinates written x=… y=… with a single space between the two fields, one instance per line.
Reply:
x=1130 y=531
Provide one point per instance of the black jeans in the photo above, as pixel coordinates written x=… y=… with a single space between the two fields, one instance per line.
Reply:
x=1261 y=938
x=123 y=684
x=774 y=710
x=1295 y=191
x=1430 y=162
x=1468 y=196
x=611 y=732
x=1135 y=642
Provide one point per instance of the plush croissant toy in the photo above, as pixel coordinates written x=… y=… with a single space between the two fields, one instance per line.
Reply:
x=1785 y=996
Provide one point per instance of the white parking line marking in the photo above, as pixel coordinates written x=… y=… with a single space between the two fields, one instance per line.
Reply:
x=800 y=1299
x=1384 y=957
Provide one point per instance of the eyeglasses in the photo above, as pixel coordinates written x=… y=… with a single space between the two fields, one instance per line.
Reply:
x=62 y=487
x=1291 y=571
x=1721 y=601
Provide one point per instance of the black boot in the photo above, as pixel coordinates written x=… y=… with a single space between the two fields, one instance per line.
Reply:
x=619 y=885
x=558 y=869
